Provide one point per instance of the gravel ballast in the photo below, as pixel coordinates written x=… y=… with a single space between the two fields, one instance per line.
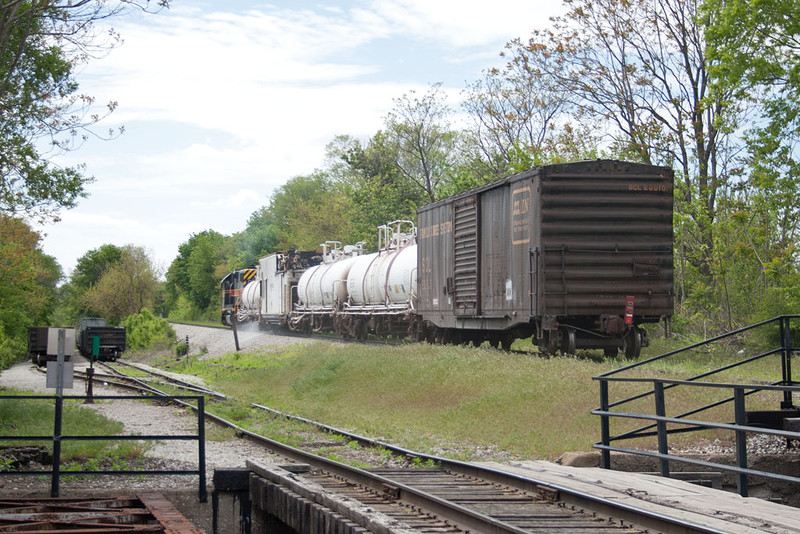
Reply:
x=145 y=418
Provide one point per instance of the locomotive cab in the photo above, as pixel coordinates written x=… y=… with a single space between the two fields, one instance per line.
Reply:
x=232 y=287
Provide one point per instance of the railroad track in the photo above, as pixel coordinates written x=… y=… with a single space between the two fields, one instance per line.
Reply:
x=465 y=503
x=453 y=496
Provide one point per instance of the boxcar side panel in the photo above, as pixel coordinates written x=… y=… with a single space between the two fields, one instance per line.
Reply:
x=497 y=283
x=435 y=262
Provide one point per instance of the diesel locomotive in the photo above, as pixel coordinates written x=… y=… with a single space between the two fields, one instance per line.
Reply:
x=573 y=255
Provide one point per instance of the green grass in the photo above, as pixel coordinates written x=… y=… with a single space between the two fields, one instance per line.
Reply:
x=426 y=397
x=422 y=395
x=34 y=417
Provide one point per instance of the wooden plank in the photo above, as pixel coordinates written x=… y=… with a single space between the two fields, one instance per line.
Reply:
x=669 y=497
x=351 y=509
x=172 y=521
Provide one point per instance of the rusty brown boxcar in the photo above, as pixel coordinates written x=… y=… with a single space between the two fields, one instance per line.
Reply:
x=577 y=255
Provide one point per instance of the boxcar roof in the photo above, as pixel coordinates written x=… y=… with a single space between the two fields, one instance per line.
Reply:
x=553 y=168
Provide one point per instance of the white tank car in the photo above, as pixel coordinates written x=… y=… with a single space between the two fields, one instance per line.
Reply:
x=401 y=278
x=251 y=298
x=325 y=285
x=388 y=277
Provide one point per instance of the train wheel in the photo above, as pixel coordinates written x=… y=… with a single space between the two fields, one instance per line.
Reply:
x=361 y=329
x=633 y=343
x=444 y=336
x=568 y=341
x=610 y=352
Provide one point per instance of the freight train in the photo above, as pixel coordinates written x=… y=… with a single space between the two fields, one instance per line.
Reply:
x=93 y=339
x=573 y=255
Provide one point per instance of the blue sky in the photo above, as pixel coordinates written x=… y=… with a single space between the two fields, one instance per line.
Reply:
x=222 y=102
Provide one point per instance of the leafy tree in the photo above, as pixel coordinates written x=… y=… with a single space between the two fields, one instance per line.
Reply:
x=514 y=111
x=308 y=210
x=89 y=269
x=193 y=277
x=421 y=142
x=754 y=48
x=41 y=44
x=27 y=286
x=258 y=239
x=371 y=180
x=126 y=287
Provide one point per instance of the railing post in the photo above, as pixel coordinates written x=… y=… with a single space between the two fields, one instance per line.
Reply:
x=605 y=426
x=661 y=411
x=741 y=439
x=55 y=475
x=786 y=362
x=201 y=452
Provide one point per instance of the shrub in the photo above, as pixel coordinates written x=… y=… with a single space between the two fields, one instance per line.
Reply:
x=11 y=350
x=145 y=330
x=181 y=349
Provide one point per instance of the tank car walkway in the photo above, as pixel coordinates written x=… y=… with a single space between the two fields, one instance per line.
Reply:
x=715 y=509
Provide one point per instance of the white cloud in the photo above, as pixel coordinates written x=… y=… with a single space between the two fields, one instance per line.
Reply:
x=467 y=23
x=222 y=106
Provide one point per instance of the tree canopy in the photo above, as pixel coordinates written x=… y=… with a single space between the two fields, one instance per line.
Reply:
x=28 y=280
x=42 y=112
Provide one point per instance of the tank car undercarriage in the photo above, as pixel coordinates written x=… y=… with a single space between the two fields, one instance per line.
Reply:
x=352 y=325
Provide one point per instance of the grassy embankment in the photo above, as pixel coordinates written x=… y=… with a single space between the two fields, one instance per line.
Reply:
x=429 y=397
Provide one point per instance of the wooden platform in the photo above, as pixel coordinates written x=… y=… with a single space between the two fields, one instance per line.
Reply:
x=715 y=509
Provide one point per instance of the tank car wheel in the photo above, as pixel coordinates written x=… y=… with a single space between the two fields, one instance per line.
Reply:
x=610 y=352
x=361 y=329
x=505 y=342
x=633 y=343
x=568 y=341
x=443 y=336
x=430 y=334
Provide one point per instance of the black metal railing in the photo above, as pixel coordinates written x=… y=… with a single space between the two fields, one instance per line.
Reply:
x=57 y=439
x=656 y=423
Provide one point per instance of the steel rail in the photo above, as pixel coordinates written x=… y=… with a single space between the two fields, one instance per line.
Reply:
x=172 y=380
x=517 y=481
x=464 y=517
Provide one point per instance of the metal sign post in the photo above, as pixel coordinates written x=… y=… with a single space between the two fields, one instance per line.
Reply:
x=90 y=370
x=59 y=412
x=235 y=332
